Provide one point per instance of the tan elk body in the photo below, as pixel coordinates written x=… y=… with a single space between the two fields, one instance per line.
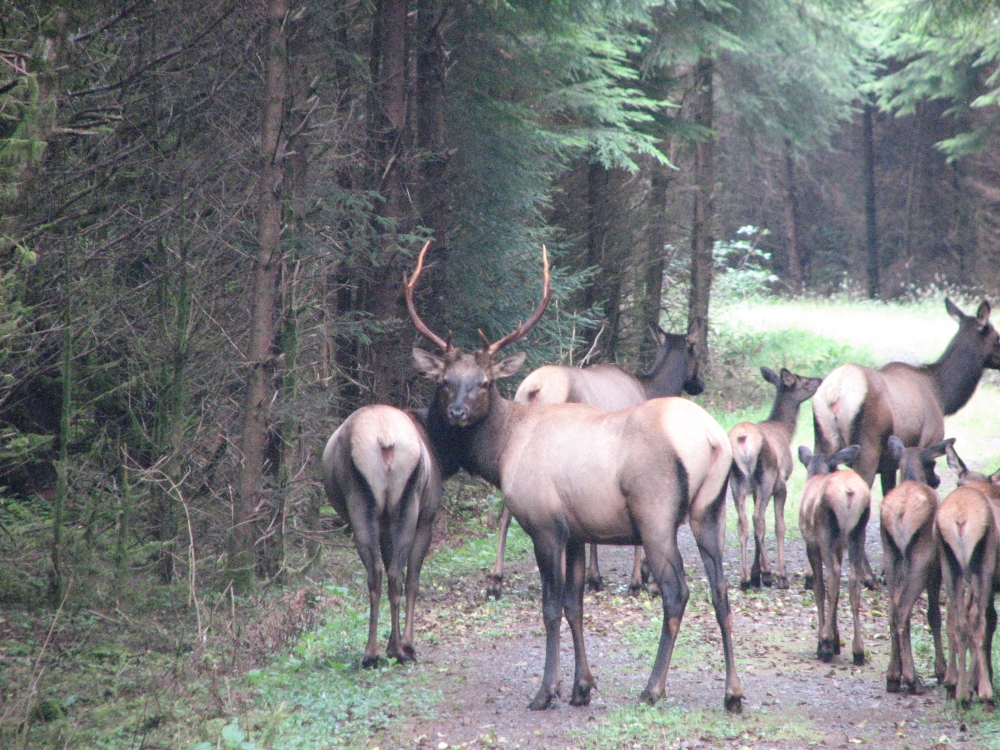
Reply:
x=762 y=463
x=833 y=515
x=572 y=474
x=610 y=388
x=911 y=560
x=382 y=478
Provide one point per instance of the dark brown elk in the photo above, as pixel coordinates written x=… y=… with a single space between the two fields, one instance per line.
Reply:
x=611 y=388
x=835 y=507
x=762 y=463
x=572 y=474
x=382 y=478
x=911 y=560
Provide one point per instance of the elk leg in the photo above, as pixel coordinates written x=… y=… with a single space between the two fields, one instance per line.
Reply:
x=638 y=561
x=583 y=681
x=907 y=592
x=667 y=569
x=896 y=578
x=739 y=489
x=819 y=594
x=494 y=580
x=421 y=543
x=396 y=542
x=855 y=550
x=550 y=554
x=594 y=580
x=780 y=494
x=710 y=532
x=833 y=558
x=761 y=573
x=934 y=618
x=986 y=618
x=953 y=581
x=366 y=540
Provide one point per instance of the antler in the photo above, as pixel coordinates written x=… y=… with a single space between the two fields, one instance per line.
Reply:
x=408 y=285
x=527 y=325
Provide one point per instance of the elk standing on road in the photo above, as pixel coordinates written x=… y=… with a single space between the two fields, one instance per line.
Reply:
x=762 y=463
x=611 y=388
x=572 y=474
x=381 y=477
x=910 y=557
x=834 y=514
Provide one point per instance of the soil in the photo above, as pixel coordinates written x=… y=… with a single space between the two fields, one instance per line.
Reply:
x=486 y=659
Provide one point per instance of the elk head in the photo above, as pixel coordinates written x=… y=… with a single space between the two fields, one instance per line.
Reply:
x=798 y=387
x=979 y=332
x=465 y=381
x=819 y=463
x=918 y=464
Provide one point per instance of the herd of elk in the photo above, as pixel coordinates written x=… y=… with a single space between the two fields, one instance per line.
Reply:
x=607 y=387
x=762 y=463
x=572 y=474
x=598 y=456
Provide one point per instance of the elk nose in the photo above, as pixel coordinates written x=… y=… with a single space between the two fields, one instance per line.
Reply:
x=457 y=413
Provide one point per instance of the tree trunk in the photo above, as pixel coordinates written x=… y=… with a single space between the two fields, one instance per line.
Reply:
x=792 y=221
x=56 y=584
x=261 y=391
x=702 y=238
x=656 y=239
x=871 y=224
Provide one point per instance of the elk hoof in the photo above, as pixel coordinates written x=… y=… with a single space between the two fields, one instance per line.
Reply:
x=747 y=585
x=781 y=581
x=859 y=659
x=649 y=697
x=765 y=578
x=734 y=704
x=370 y=662
x=949 y=691
x=825 y=651
x=543 y=700
x=581 y=695
x=870 y=583
x=494 y=586
x=653 y=589
x=893 y=685
x=807 y=583
x=634 y=589
x=595 y=584
x=914 y=687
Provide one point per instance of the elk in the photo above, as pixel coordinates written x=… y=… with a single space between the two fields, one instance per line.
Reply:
x=611 y=388
x=762 y=463
x=968 y=525
x=834 y=513
x=572 y=474
x=910 y=557
x=381 y=477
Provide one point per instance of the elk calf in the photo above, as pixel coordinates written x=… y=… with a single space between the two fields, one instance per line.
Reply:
x=762 y=463
x=910 y=556
x=381 y=477
x=834 y=514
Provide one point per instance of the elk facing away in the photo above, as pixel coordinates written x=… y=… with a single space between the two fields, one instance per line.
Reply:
x=762 y=463
x=572 y=474
x=381 y=477
x=611 y=388
x=834 y=513
x=910 y=556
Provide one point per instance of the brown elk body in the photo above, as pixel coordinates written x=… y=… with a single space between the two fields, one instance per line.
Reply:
x=911 y=560
x=382 y=478
x=762 y=463
x=611 y=388
x=968 y=525
x=572 y=474
x=834 y=513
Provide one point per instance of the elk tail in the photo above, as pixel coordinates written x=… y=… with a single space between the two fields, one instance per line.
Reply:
x=746 y=442
x=386 y=449
x=837 y=404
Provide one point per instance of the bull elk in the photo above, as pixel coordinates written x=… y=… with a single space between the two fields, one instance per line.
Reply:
x=382 y=478
x=910 y=556
x=610 y=388
x=762 y=463
x=834 y=513
x=572 y=474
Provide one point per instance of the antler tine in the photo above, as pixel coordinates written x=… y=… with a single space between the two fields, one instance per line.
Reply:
x=408 y=285
x=527 y=325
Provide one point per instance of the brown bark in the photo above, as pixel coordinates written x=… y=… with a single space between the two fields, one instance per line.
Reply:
x=656 y=239
x=871 y=218
x=605 y=249
x=792 y=221
x=261 y=391
x=704 y=204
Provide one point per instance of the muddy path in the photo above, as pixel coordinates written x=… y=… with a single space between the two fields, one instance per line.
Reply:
x=486 y=659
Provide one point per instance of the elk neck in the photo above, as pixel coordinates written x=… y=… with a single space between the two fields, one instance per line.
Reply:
x=785 y=413
x=956 y=374
x=667 y=375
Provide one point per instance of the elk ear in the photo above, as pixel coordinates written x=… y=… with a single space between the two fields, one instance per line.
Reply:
x=938 y=449
x=694 y=333
x=508 y=365
x=895 y=447
x=429 y=365
x=769 y=375
x=954 y=461
x=983 y=315
x=953 y=310
x=659 y=335
x=805 y=455
x=844 y=456
x=787 y=378
x=995 y=477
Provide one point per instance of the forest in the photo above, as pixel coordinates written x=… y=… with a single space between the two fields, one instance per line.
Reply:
x=207 y=210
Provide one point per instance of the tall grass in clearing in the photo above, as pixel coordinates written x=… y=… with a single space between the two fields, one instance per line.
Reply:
x=812 y=337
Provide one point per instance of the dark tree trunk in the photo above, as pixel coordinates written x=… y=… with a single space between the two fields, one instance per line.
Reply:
x=871 y=224
x=605 y=249
x=704 y=205
x=261 y=391
x=792 y=221
x=656 y=240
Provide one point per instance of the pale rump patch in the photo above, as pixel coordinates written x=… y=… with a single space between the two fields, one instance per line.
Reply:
x=904 y=512
x=849 y=496
x=963 y=520
x=746 y=441
x=386 y=448
x=837 y=401
x=546 y=385
x=710 y=458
